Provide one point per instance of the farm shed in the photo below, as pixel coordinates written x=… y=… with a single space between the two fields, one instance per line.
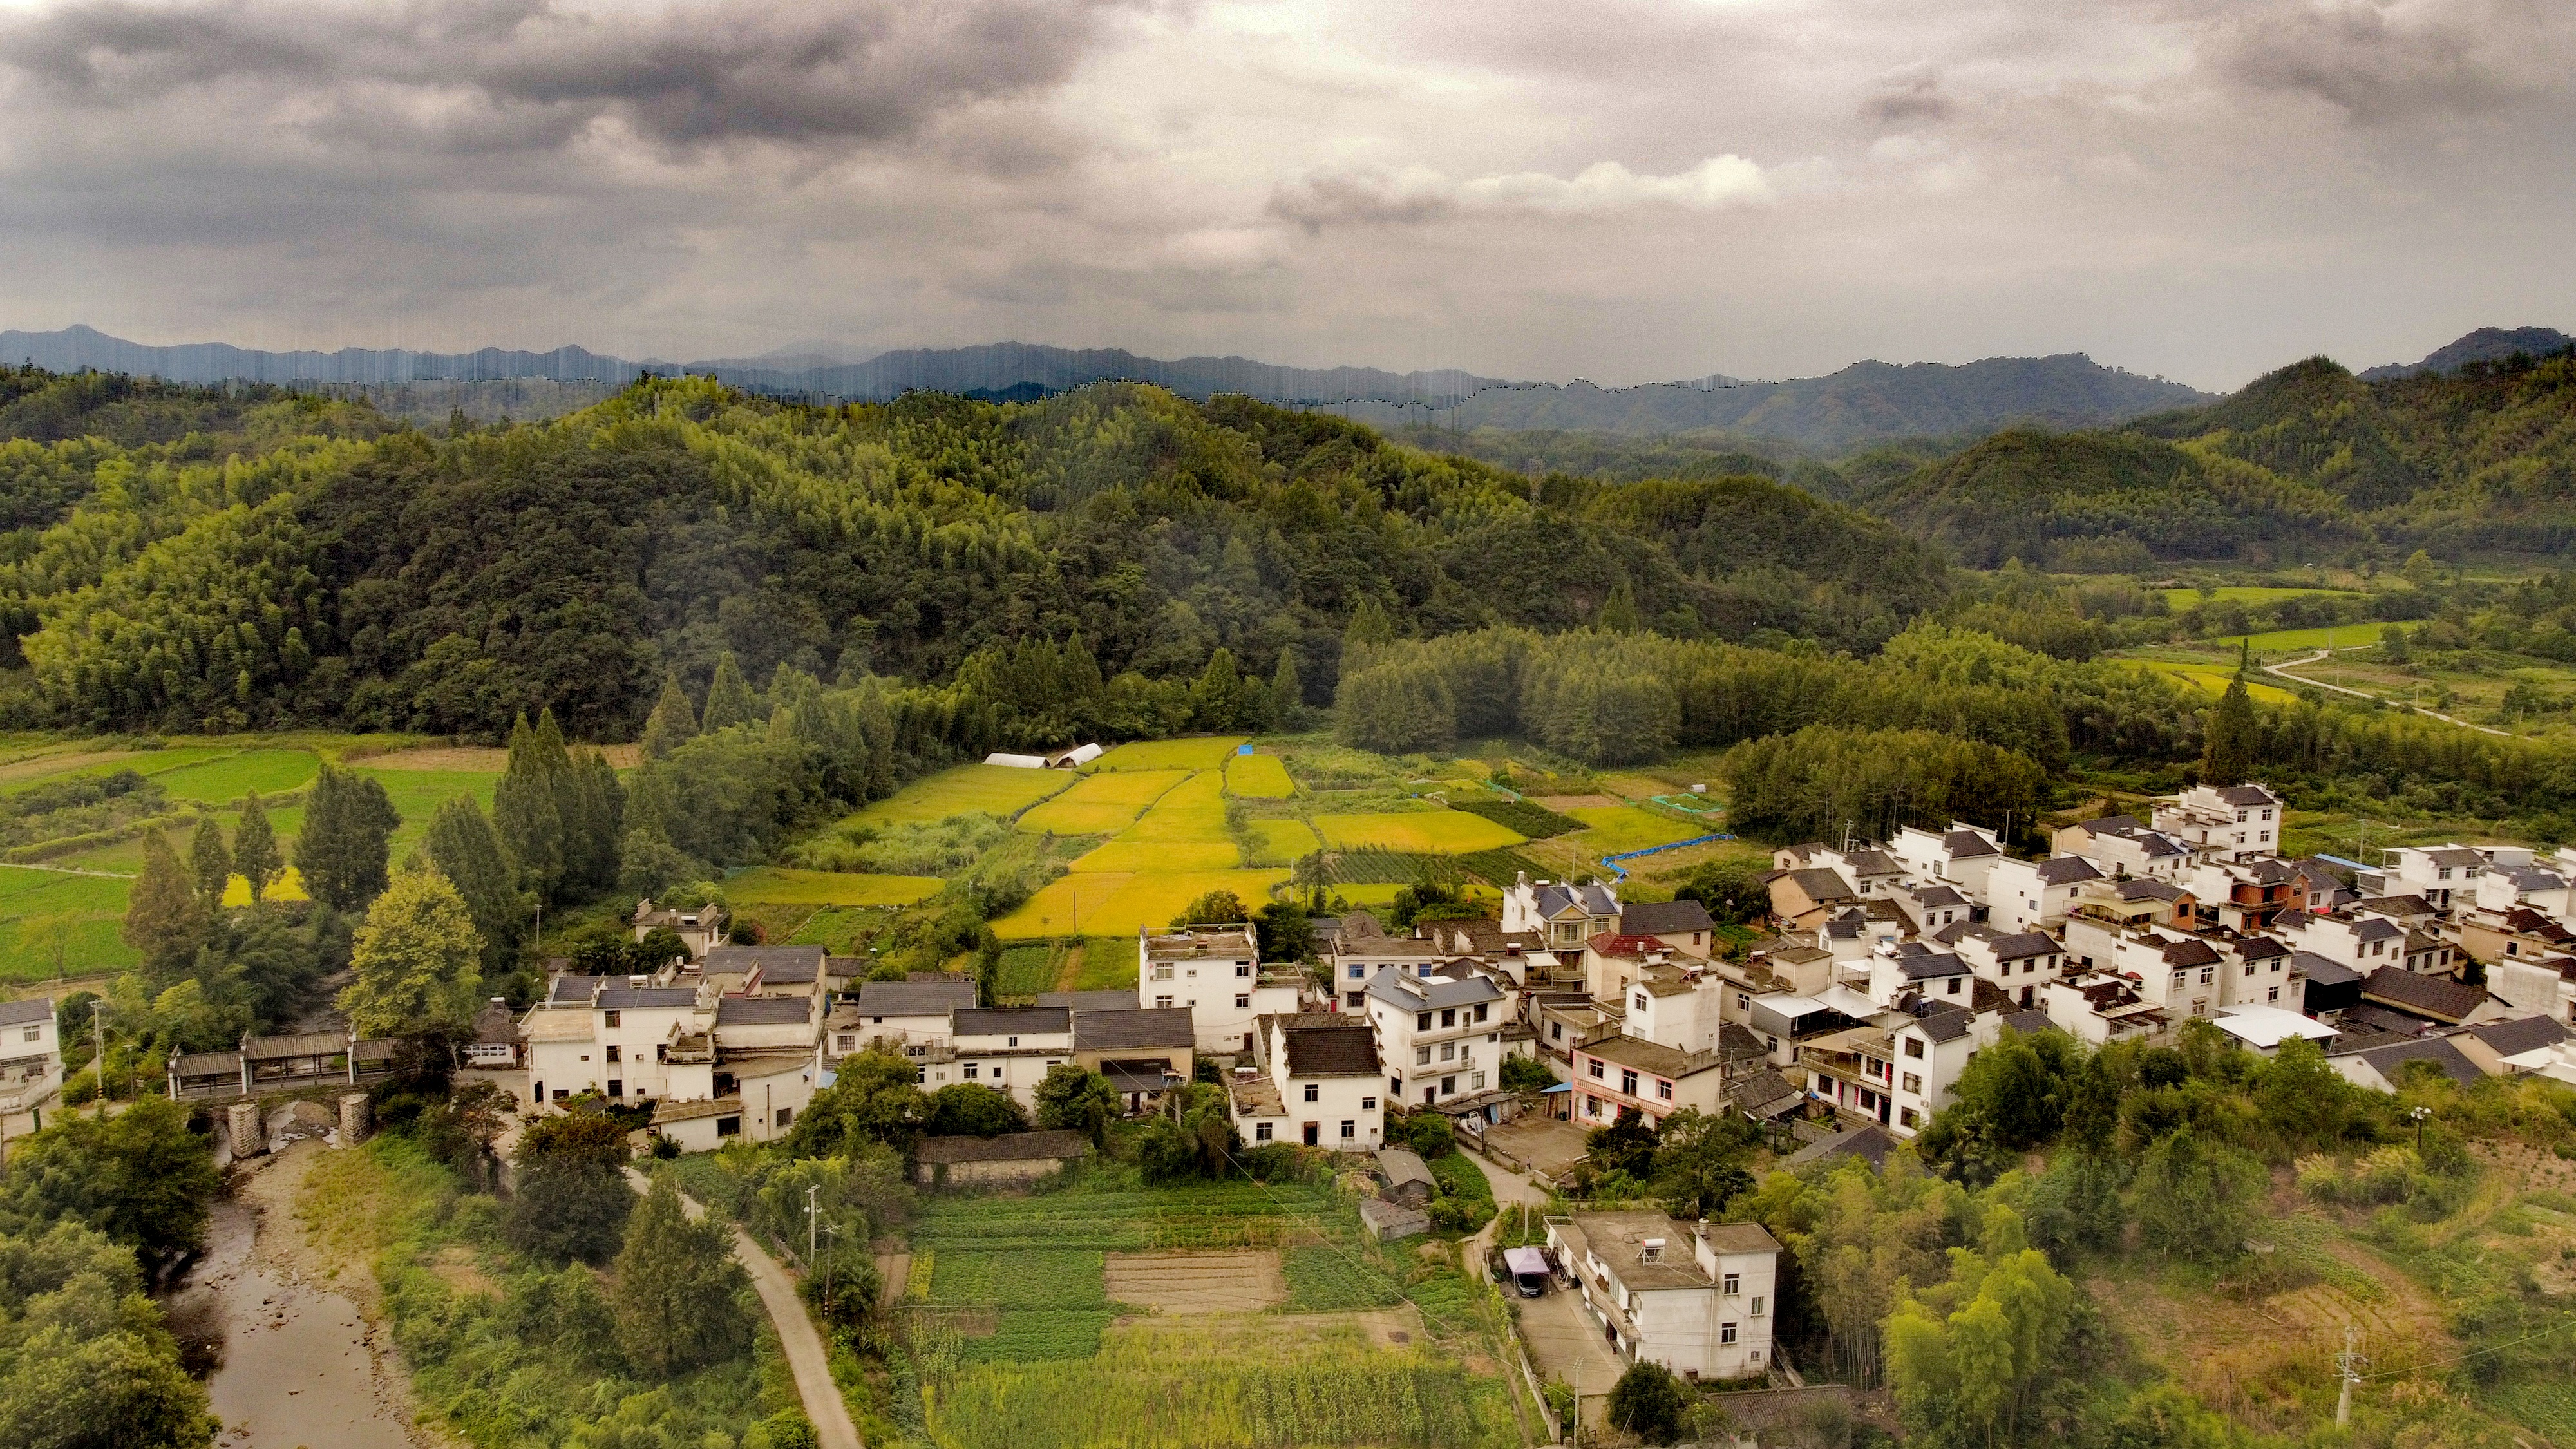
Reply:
x=1388 y=1221
x=1014 y=1157
x=1408 y=1180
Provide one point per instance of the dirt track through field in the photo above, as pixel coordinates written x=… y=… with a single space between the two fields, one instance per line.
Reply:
x=1196 y=1282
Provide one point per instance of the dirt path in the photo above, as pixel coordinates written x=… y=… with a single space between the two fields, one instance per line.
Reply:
x=1071 y=970
x=2283 y=669
x=796 y=1335
x=291 y=1329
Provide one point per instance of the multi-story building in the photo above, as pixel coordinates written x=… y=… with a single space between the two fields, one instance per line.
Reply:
x=2122 y=845
x=1700 y=1302
x=2442 y=874
x=1315 y=1078
x=31 y=1064
x=1960 y=856
x=1361 y=950
x=1564 y=916
x=909 y=1017
x=2032 y=895
x=1439 y=1035
x=2226 y=822
x=1215 y=974
x=1010 y=1048
x=1617 y=1072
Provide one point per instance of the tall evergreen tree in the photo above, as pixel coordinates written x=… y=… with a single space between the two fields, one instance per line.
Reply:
x=679 y=1290
x=210 y=863
x=527 y=809
x=592 y=807
x=1369 y=629
x=1216 y=700
x=877 y=733
x=256 y=858
x=1619 y=610
x=342 y=852
x=418 y=960
x=164 y=920
x=1288 y=691
x=466 y=849
x=647 y=860
x=672 y=724
x=729 y=700
x=2228 y=744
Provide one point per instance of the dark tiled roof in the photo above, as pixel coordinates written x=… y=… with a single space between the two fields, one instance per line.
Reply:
x=1927 y=966
x=2512 y=1038
x=207 y=1064
x=2024 y=944
x=1872 y=862
x=1764 y=1094
x=2067 y=870
x=2323 y=971
x=569 y=989
x=2112 y=825
x=770 y=959
x=1946 y=1023
x=1938 y=895
x=1013 y=1020
x=1964 y=844
x=2194 y=952
x=1871 y=1144
x=764 y=1010
x=1121 y=1030
x=2392 y=1059
x=2247 y=795
x=1055 y=1146
x=2257 y=948
x=19 y=1013
x=1333 y=1051
x=1658 y=918
x=2027 y=1022
x=2433 y=996
x=916 y=998
x=647 y=998
x=1821 y=884
x=302 y=1044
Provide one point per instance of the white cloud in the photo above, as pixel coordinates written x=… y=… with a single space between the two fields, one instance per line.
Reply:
x=1418 y=194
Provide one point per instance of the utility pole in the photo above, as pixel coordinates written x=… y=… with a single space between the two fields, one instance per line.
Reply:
x=813 y=1217
x=2348 y=1367
x=98 y=1044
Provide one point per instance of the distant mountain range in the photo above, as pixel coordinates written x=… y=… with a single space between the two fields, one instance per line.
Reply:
x=2487 y=344
x=1863 y=403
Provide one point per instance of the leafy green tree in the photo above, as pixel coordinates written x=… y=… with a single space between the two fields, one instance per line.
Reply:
x=465 y=848
x=1215 y=908
x=256 y=858
x=1967 y=1357
x=875 y=1098
x=1395 y=709
x=2301 y=1097
x=1369 y=628
x=140 y=1177
x=1285 y=931
x=2392 y=645
x=571 y=1201
x=1699 y=1160
x=1619 y=610
x=164 y=919
x=88 y=1363
x=971 y=1109
x=417 y=960
x=527 y=808
x=1526 y=1074
x=672 y=723
x=2231 y=737
x=1649 y=1403
x=1076 y=1099
x=1219 y=700
x=2193 y=1197
x=1626 y=1145
x=679 y=1291
x=729 y=700
x=209 y=863
x=348 y=818
x=1732 y=890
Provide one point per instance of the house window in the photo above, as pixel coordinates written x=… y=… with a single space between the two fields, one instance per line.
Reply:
x=2249 y=968
x=2208 y=974
x=1628 y=1082
x=1914 y=1084
x=1309 y=1133
x=1162 y=973
x=729 y=1126
x=1449 y=1017
x=1641 y=1001
x=1014 y=1041
x=1480 y=1011
x=1726 y=1333
x=1241 y=1000
x=612 y=1018
x=1314 y=1093
x=1731 y=1284
x=1242 y=970
x=1422 y=1021
x=1756 y=1311
x=1596 y=1068
x=1350 y=1129
x=1954 y=986
x=612 y=1053
x=1664 y=1090
x=786 y=1115
x=970 y=1071
x=1448 y=1086
x=1368 y=1104
x=2275 y=994
x=1743 y=1002
x=1359 y=973
x=35 y=1033
x=1422 y=1056
x=1475 y=1081
x=1163 y=1001
x=1905 y=1116
x=1355 y=1000
x=1556 y=1031
x=1260 y=1131
x=1448 y=1051
x=1914 y=1047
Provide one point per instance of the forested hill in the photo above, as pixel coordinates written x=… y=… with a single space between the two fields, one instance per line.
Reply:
x=184 y=558
x=1863 y=403
x=2481 y=457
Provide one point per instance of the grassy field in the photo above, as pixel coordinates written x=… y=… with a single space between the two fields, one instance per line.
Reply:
x=1259 y=777
x=1101 y=804
x=770 y=884
x=2215 y=679
x=2181 y=599
x=1431 y=832
x=1020 y=1346
x=1192 y=754
x=1614 y=829
x=967 y=789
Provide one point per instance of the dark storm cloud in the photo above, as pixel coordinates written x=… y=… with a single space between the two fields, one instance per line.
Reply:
x=2383 y=63
x=1907 y=96
x=528 y=73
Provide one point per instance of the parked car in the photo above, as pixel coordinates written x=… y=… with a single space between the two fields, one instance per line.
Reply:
x=1528 y=1269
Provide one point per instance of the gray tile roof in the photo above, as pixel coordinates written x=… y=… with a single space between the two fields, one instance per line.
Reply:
x=2323 y=971
x=1437 y=991
x=1938 y=895
x=2391 y=1059
x=1013 y=1021
x=1122 y=1030
x=568 y=989
x=770 y=959
x=1929 y=966
x=648 y=998
x=1943 y=1023
x=2511 y=1038
x=2247 y=795
x=2433 y=996
x=1009 y=1147
x=916 y=998
x=1871 y=1144
x=1966 y=844
x=2032 y=1020
x=764 y=1010
x=1588 y=899
x=1822 y=884
x=2023 y=945
x=1662 y=918
x=19 y=1013
x=2067 y=870
x=1338 y=1050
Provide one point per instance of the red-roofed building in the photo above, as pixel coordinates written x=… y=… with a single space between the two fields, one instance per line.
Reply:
x=1612 y=962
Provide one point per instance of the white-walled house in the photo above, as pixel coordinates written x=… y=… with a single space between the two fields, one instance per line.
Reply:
x=1440 y=1035
x=2031 y=895
x=1700 y=1301
x=1962 y=856
x=1564 y=916
x=910 y=1017
x=2225 y=822
x=31 y=1064
x=1215 y=974
x=1314 y=1079
x=1932 y=1044
x=618 y=1041
x=1010 y=1048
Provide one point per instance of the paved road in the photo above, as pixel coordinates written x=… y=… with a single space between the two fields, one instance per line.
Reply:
x=796 y=1335
x=2283 y=669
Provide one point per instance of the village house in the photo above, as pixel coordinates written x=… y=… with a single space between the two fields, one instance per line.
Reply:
x=1362 y=950
x=2244 y=894
x=2031 y=895
x=2099 y=1007
x=1683 y=926
x=1961 y=856
x=1439 y=1035
x=1013 y=1159
x=2261 y=1029
x=2103 y=910
x=1010 y=1048
x=2512 y=879
x=1931 y=1047
x=908 y=1017
x=1143 y=1052
x=1315 y=1078
x=1805 y=897
x=31 y=1064
x=2228 y=822
x=1871 y=871
x=2017 y=963
x=1930 y=905
x=1618 y=1072
x=1699 y=1302
x=2123 y=846
x=1215 y=974
x=613 y=1039
x=1563 y=916
x=700 y=928
x=2441 y=874
x=2506 y=937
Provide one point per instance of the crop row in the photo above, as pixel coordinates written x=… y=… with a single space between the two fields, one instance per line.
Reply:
x=1036 y=1278
x=1533 y=820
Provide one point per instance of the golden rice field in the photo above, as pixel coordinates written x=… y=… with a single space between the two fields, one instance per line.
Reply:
x=1111 y=903
x=966 y=790
x=2215 y=679
x=1193 y=810
x=1259 y=777
x=1193 y=754
x=1426 y=832
x=1101 y=804
x=1283 y=841
x=1128 y=855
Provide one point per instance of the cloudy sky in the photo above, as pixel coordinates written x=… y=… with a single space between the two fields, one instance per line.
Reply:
x=1625 y=190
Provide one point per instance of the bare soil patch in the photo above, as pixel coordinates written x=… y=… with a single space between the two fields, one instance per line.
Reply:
x=455 y=1266
x=56 y=764
x=1196 y=1282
